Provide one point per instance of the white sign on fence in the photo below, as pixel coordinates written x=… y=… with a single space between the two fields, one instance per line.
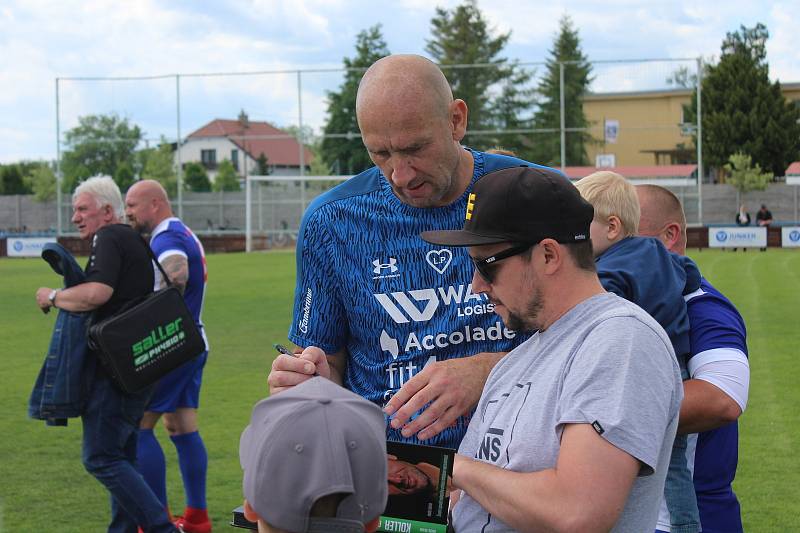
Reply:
x=790 y=236
x=737 y=237
x=26 y=246
x=605 y=161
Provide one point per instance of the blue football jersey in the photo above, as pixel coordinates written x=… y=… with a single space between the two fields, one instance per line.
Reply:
x=368 y=284
x=716 y=325
x=170 y=237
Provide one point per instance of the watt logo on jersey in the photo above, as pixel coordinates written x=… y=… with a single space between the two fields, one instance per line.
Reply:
x=401 y=308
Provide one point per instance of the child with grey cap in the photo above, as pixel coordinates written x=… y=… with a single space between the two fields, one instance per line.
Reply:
x=314 y=460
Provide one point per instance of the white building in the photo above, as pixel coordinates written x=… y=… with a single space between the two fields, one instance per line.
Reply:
x=242 y=142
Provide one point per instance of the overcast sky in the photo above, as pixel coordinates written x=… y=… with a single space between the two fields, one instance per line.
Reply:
x=42 y=40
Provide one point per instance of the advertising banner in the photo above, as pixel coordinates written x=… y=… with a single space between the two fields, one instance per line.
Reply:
x=737 y=237
x=790 y=236
x=26 y=246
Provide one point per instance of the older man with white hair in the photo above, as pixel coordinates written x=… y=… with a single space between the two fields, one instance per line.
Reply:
x=119 y=271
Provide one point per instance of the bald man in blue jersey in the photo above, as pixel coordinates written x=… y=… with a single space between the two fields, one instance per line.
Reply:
x=716 y=395
x=177 y=395
x=376 y=309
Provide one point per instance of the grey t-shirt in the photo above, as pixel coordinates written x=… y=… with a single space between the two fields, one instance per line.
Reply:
x=605 y=362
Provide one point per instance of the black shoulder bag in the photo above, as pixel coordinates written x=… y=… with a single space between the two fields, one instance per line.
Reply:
x=148 y=338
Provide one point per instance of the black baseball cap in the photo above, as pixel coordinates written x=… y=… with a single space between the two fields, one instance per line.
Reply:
x=523 y=205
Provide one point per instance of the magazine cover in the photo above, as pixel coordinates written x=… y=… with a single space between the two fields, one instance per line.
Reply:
x=419 y=480
x=240 y=521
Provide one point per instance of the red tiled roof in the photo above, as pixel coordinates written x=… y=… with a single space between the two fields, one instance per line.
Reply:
x=277 y=145
x=653 y=171
x=794 y=169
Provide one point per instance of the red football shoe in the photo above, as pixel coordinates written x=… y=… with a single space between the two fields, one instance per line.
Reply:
x=194 y=521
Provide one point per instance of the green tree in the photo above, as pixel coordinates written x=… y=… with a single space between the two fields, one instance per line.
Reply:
x=43 y=183
x=743 y=111
x=682 y=77
x=462 y=36
x=318 y=166
x=11 y=180
x=195 y=178
x=159 y=165
x=98 y=145
x=745 y=176
x=77 y=174
x=513 y=110
x=577 y=77
x=227 y=179
x=262 y=165
x=124 y=176
x=341 y=148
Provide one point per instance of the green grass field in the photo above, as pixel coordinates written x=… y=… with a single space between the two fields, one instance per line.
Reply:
x=42 y=481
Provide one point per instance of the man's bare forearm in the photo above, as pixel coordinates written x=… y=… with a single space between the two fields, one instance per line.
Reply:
x=83 y=297
x=177 y=268
x=705 y=407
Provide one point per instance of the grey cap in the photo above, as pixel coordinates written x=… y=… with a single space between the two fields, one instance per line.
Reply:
x=310 y=441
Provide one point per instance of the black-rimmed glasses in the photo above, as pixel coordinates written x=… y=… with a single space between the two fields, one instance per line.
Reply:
x=485 y=266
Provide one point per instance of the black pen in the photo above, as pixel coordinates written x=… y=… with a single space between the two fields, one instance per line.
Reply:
x=284 y=350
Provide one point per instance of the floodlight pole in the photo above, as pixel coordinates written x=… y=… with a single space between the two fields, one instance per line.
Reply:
x=699 y=140
x=58 y=164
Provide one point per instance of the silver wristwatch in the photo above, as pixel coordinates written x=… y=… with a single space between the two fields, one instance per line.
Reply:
x=52 y=297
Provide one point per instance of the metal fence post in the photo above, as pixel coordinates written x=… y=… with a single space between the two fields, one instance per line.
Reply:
x=699 y=140
x=300 y=137
x=59 y=178
x=178 y=144
x=563 y=118
x=248 y=226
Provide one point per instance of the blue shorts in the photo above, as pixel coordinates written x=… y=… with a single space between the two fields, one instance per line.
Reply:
x=179 y=388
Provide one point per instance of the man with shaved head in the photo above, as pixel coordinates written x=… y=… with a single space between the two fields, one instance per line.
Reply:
x=177 y=394
x=662 y=217
x=716 y=395
x=376 y=309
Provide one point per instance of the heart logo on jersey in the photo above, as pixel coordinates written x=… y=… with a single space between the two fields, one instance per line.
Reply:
x=439 y=260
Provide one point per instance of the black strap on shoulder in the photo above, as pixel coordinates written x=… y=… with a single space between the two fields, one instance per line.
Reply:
x=155 y=260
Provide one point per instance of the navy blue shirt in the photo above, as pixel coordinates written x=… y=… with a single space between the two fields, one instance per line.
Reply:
x=643 y=271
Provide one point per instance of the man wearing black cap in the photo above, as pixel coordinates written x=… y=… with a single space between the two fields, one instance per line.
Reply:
x=574 y=428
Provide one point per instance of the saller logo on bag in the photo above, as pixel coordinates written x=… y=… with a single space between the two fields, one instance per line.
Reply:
x=160 y=340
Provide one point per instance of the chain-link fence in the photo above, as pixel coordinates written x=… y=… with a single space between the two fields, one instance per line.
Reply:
x=635 y=114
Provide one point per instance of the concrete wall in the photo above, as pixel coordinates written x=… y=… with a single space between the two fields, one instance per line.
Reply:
x=278 y=206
